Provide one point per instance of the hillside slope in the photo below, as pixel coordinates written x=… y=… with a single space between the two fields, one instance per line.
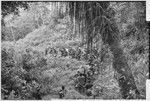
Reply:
x=61 y=70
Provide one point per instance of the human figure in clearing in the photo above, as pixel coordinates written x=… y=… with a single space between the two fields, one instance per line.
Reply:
x=62 y=92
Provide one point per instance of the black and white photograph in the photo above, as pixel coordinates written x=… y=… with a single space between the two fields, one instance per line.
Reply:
x=74 y=50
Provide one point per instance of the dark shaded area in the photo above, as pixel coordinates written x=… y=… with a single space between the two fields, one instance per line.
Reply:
x=8 y=7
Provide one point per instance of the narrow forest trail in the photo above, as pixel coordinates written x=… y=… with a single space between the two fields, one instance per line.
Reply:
x=101 y=80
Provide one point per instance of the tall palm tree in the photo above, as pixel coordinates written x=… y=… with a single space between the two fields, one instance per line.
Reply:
x=99 y=22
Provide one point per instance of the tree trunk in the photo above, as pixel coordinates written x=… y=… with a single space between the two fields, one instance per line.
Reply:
x=125 y=79
x=74 y=20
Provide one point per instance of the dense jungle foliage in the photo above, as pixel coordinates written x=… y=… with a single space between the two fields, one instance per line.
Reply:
x=74 y=50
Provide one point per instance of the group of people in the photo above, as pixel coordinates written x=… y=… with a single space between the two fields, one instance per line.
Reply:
x=76 y=53
x=84 y=80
